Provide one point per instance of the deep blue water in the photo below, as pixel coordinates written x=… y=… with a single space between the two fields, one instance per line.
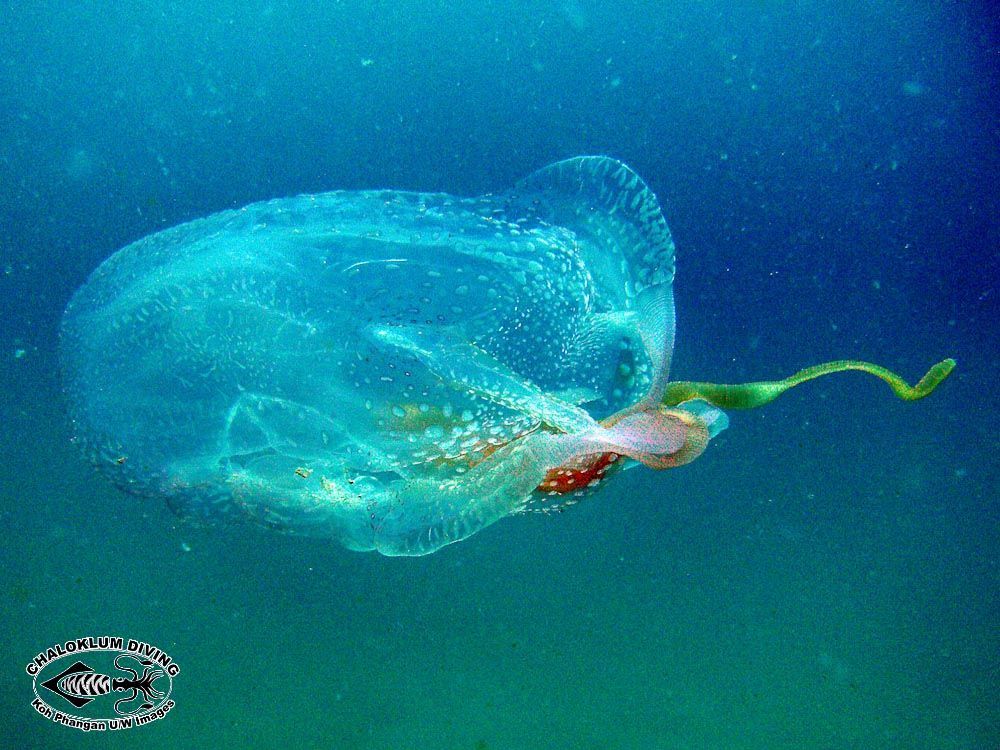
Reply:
x=826 y=576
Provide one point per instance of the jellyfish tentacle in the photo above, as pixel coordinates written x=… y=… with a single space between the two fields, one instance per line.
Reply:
x=752 y=395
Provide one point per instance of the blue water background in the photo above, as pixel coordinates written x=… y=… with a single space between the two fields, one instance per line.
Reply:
x=826 y=576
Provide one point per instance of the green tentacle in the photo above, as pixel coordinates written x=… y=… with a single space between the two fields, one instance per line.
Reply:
x=752 y=395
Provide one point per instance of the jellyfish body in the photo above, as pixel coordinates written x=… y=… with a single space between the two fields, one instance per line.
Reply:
x=393 y=370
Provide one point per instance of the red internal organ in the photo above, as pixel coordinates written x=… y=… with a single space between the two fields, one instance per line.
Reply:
x=579 y=475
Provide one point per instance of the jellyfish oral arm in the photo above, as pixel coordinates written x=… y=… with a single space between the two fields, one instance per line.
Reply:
x=659 y=438
x=678 y=430
x=752 y=395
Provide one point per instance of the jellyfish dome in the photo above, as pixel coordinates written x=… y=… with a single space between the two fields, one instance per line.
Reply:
x=394 y=370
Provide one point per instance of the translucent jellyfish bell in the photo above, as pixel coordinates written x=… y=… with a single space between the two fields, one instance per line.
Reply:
x=393 y=370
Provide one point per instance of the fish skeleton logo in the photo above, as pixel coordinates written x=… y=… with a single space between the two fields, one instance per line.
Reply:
x=111 y=684
x=79 y=685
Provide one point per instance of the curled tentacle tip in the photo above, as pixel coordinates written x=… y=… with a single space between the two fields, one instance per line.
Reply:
x=934 y=377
